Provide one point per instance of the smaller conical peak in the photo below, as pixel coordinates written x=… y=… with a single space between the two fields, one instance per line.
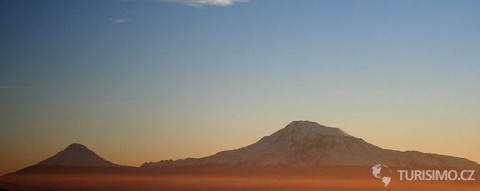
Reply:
x=315 y=128
x=76 y=155
x=76 y=147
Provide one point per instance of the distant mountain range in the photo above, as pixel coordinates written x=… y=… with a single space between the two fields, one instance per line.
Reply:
x=300 y=145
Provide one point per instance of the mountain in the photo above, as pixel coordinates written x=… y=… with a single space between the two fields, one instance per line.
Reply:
x=77 y=155
x=303 y=144
x=75 y=158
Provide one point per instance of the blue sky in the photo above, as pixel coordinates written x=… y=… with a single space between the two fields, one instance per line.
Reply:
x=139 y=75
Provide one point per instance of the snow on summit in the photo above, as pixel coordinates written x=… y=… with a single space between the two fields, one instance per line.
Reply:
x=310 y=127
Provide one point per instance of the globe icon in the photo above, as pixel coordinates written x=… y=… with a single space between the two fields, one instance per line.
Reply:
x=382 y=172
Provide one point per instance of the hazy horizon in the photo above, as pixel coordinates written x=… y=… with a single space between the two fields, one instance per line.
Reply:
x=146 y=80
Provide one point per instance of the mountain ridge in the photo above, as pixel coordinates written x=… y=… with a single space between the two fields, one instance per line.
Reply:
x=299 y=145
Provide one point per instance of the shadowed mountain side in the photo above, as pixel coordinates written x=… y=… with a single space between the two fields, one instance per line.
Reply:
x=77 y=155
x=303 y=144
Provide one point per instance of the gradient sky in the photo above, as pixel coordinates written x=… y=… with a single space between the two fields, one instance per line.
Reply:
x=139 y=81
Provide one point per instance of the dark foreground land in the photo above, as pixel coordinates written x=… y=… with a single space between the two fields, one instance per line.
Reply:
x=176 y=183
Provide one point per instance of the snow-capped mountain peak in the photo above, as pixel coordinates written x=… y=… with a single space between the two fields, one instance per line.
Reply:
x=313 y=128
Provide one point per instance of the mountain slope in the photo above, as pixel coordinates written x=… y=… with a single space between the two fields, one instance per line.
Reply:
x=308 y=144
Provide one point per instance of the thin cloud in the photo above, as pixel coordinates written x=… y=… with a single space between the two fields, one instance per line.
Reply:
x=121 y=20
x=16 y=87
x=222 y=3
